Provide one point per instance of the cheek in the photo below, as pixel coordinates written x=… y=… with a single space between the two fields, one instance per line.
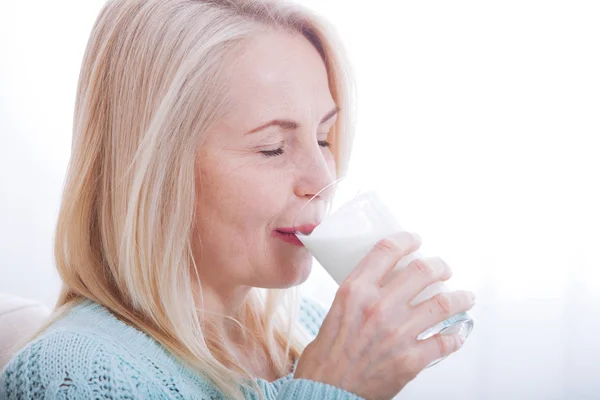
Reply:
x=246 y=198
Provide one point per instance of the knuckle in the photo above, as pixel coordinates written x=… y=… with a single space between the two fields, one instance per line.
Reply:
x=347 y=291
x=422 y=267
x=443 y=303
x=353 y=293
x=387 y=245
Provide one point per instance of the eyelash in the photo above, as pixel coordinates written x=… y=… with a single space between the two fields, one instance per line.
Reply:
x=279 y=151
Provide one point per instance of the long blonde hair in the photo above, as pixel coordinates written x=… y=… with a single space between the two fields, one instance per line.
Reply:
x=153 y=79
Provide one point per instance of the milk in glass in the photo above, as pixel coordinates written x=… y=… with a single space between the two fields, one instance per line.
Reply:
x=345 y=237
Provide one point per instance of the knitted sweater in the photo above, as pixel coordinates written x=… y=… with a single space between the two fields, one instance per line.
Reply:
x=90 y=354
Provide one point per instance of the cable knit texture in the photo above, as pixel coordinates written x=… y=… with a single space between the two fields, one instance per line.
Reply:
x=90 y=354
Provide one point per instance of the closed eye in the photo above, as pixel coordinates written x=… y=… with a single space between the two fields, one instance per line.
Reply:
x=279 y=151
x=272 y=153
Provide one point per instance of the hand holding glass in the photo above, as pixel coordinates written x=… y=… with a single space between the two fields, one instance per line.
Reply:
x=348 y=233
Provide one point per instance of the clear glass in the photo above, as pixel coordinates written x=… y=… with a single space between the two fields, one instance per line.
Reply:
x=341 y=224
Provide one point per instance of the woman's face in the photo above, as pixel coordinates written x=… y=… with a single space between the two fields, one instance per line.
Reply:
x=252 y=181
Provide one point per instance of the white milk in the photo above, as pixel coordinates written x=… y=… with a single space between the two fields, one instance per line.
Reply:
x=345 y=237
x=340 y=255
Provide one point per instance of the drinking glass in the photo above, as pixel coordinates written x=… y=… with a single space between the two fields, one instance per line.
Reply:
x=341 y=223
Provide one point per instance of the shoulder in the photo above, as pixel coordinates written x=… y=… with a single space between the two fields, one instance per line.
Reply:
x=72 y=365
x=84 y=354
x=312 y=314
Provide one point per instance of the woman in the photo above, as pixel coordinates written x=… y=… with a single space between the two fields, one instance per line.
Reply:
x=201 y=128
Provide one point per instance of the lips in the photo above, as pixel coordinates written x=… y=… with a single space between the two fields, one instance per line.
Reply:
x=288 y=235
x=305 y=229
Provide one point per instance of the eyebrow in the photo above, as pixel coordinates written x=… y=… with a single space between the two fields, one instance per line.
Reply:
x=290 y=125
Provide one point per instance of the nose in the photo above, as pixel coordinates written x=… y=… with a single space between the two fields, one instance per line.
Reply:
x=315 y=175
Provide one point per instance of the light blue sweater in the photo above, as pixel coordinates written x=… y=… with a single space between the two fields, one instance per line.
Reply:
x=90 y=354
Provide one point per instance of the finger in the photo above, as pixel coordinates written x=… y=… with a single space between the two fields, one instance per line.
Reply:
x=384 y=256
x=406 y=283
x=439 y=308
x=437 y=346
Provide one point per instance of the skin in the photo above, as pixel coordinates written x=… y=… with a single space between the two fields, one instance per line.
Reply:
x=367 y=343
x=243 y=194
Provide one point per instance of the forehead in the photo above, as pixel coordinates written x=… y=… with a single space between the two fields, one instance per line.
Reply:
x=278 y=72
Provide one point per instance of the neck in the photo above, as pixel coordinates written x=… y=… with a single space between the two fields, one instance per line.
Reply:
x=222 y=305
x=221 y=302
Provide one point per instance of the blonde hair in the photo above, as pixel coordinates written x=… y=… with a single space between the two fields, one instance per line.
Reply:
x=153 y=80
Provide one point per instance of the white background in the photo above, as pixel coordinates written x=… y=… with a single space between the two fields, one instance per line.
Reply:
x=481 y=119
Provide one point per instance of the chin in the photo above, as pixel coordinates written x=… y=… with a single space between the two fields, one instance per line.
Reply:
x=293 y=274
